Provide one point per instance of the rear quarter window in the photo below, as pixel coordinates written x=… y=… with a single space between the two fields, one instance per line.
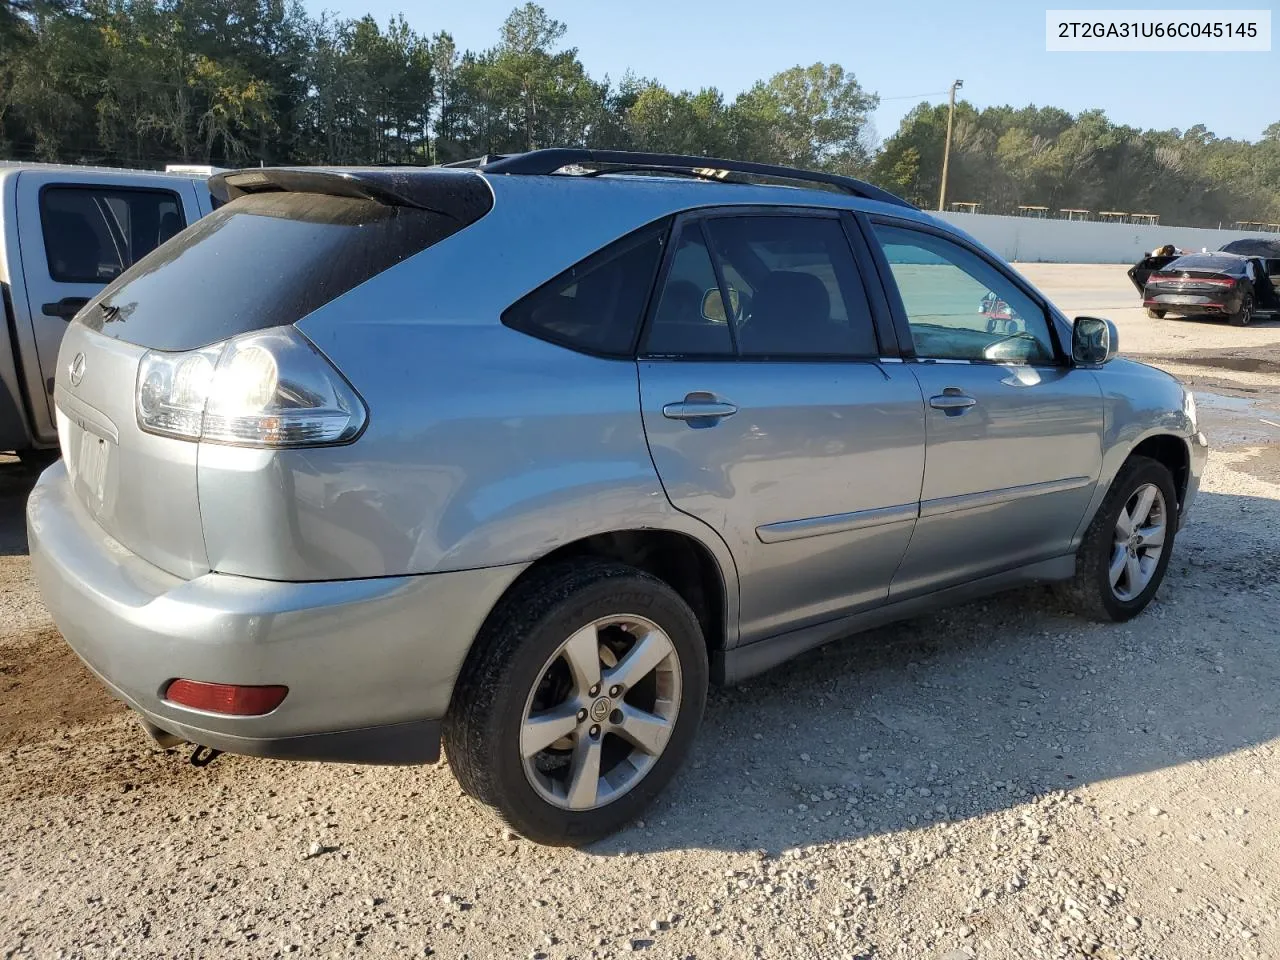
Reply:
x=596 y=306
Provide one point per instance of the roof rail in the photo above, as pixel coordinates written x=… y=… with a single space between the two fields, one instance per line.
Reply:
x=477 y=162
x=541 y=162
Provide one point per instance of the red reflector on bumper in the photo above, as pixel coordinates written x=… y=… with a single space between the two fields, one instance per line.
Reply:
x=229 y=698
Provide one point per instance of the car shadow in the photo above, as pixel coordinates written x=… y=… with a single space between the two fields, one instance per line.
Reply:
x=16 y=482
x=1266 y=322
x=979 y=708
x=972 y=710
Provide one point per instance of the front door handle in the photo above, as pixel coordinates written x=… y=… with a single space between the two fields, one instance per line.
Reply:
x=66 y=308
x=699 y=406
x=952 y=401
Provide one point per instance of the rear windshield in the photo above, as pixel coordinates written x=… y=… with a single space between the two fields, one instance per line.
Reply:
x=1203 y=262
x=263 y=260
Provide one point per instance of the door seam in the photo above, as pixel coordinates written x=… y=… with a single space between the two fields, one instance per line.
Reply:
x=924 y=469
x=648 y=449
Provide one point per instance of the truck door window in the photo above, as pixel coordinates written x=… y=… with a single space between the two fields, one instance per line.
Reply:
x=93 y=234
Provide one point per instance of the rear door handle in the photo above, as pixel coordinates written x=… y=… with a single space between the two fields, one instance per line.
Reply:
x=952 y=402
x=66 y=308
x=699 y=407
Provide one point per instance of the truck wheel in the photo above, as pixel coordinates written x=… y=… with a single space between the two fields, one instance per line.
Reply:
x=1155 y=314
x=1242 y=316
x=1125 y=552
x=578 y=702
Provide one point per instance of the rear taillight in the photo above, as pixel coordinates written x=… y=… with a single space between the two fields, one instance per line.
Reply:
x=233 y=699
x=270 y=388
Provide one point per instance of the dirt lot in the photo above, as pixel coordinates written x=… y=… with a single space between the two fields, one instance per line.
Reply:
x=999 y=781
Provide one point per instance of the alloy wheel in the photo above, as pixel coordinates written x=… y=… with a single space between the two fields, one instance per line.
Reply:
x=601 y=712
x=1139 y=542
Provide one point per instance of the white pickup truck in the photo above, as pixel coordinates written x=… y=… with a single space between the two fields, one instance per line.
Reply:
x=65 y=233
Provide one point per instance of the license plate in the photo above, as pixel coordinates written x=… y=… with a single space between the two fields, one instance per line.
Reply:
x=91 y=465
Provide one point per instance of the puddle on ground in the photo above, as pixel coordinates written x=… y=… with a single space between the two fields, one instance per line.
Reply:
x=1242 y=364
x=1217 y=401
x=1238 y=420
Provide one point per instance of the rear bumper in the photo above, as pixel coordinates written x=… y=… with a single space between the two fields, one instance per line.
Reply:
x=394 y=744
x=1184 y=303
x=370 y=664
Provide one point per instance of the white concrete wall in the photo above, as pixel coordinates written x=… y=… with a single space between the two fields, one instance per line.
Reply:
x=1083 y=241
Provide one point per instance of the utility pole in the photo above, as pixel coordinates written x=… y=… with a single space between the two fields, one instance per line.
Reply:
x=946 y=151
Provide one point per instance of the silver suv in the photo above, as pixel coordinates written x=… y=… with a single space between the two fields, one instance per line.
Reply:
x=521 y=456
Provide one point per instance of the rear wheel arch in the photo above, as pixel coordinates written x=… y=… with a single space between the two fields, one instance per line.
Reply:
x=678 y=559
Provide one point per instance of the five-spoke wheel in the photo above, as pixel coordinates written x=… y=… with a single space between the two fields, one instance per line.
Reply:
x=601 y=712
x=1125 y=551
x=579 y=700
x=1139 y=541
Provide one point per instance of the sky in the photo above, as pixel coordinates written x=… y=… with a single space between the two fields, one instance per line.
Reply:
x=900 y=50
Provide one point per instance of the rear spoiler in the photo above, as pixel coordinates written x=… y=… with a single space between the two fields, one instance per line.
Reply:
x=460 y=196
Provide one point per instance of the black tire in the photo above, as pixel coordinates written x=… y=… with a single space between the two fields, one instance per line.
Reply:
x=1155 y=314
x=1089 y=593
x=482 y=729
x=1243 y=316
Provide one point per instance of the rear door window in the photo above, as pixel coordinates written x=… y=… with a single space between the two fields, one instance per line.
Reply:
x=93 y=234
x=596 y=306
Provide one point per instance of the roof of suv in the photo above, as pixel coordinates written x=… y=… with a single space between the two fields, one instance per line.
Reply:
x=429 y=187
x=596 y=162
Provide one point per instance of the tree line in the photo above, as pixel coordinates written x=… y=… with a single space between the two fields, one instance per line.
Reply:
x=242 y=82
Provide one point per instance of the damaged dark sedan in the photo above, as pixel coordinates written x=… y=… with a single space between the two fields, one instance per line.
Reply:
x=1219 y=285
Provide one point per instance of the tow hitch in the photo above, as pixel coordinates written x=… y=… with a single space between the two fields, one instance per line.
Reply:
x=203 y=756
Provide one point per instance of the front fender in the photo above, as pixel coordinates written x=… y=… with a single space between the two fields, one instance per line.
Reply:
x=1141 y=403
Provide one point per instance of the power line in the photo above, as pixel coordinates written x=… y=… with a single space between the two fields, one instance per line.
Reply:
x=916 y=96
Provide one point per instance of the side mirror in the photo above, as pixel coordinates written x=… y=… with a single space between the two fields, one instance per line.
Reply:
x=1094 y=341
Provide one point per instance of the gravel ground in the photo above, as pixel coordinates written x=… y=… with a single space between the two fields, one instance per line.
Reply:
x=999 y=781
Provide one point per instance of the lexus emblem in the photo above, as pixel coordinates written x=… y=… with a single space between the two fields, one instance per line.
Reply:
x=75 y=372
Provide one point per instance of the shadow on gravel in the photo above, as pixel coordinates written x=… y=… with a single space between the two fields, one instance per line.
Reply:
x=16 y=482
x=1257 y=321
x=938 y=719
x=980 y=707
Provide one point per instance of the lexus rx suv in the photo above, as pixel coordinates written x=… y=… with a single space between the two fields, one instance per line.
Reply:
x=519 y=456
